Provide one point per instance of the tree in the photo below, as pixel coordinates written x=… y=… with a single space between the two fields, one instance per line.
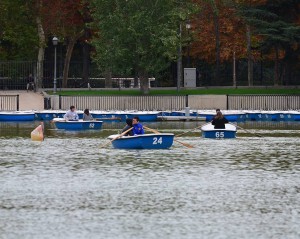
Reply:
x=18 y=33
x=278 y=35
x=137 y=35
x=219 y=34
x=66 y=19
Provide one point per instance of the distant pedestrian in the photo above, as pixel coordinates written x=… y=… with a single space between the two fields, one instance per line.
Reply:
x=30 y=83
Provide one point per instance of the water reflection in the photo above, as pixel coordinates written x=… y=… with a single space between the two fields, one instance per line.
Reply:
x=23 y=129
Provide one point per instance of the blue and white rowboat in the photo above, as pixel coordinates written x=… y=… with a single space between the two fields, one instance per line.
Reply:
x=144 y=141
x=208 y=131
x=77 y=125
x=17 y=116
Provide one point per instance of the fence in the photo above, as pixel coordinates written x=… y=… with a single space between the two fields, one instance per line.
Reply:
x=9 y=102
x=263 y=102
x=230 y=102
x=123 y=102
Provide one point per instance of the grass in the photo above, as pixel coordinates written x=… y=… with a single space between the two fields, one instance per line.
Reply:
x=204 y=91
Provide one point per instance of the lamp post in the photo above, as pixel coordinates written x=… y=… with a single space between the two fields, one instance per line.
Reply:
x=188 y=27
x=55 y=42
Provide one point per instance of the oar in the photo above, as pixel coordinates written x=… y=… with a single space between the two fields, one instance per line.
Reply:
x=191 y=130
x=119 y=136
x=157 y=132
x=258 y=135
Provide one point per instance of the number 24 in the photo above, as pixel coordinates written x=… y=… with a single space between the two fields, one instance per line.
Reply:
x=157 y=140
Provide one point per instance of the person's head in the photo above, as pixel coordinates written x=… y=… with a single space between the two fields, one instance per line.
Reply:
x=135 y=120
x=72 y=108
x=219 y=115
x=129 y=122
x=218 y=110
x=86 y=111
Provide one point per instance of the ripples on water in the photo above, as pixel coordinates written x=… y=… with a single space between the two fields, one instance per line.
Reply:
x=69 y=187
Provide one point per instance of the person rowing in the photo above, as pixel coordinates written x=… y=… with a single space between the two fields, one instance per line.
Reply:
x=219 y=121
x=137 y=126
x=127 y=127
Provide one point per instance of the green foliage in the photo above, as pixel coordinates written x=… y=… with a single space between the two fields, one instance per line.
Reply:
x=276 y=30
x=18 y=33
x=137 y=35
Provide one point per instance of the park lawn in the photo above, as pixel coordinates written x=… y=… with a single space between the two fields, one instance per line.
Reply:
x=211 y=91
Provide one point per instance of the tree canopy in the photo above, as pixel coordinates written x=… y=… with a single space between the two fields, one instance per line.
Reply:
x=138 y=36
x=142 y=38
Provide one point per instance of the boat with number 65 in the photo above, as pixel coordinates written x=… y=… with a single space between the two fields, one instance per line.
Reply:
x=208 y=131
x=77 y=125
x=143 y=141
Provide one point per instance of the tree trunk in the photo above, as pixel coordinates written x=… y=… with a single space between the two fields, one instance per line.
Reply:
x=234 y=70
x=108 y=80
x=276 y=69
x=86 y=58
x=41 y=53
x=144 y=82
x=67 y=62
x=217 y=34
x=217 y=37
x=249 y=55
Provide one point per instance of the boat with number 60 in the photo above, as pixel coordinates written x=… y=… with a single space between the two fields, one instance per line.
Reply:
x=143 y=141
x=208 y=131
x=77 y=125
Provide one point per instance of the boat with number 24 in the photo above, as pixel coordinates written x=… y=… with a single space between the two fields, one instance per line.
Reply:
x=143 y=141
x=77 y=125
x=208 y=131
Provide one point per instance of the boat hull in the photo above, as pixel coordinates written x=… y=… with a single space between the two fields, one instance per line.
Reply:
x=208 y=131
x=145 y=141
x=78 y=125
x=16 y=116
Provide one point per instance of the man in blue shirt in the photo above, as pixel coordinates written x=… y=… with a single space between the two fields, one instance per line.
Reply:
x=137 y=126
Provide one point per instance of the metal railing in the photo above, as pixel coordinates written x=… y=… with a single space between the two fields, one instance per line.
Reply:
x=263 y=102
x=9 y=102
x=230 y=102
x=123 y=102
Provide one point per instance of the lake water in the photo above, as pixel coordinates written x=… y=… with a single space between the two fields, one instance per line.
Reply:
x=70 y=187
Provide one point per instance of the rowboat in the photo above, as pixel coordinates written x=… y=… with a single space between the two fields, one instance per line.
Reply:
x=17 y=116
x=77 y=125
x=144 y=141
x=208 y=131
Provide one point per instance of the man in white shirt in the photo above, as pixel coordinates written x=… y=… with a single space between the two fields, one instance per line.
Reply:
x=71 y=114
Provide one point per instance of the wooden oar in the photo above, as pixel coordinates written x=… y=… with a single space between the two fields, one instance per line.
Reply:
x=258 y=135
x=191 y=130
x=119 y=136
x=157 y=132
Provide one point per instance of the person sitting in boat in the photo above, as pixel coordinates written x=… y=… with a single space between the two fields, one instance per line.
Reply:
x=219 y=121
x=137 y=126
x=71 y=114
x=217 y=110
x=87 y=116
x=127 y=127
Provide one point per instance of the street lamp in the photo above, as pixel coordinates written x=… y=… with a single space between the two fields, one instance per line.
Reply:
x=55 y=42
x=188 y=27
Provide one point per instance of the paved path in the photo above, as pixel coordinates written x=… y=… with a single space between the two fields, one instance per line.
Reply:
x=28 y=100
